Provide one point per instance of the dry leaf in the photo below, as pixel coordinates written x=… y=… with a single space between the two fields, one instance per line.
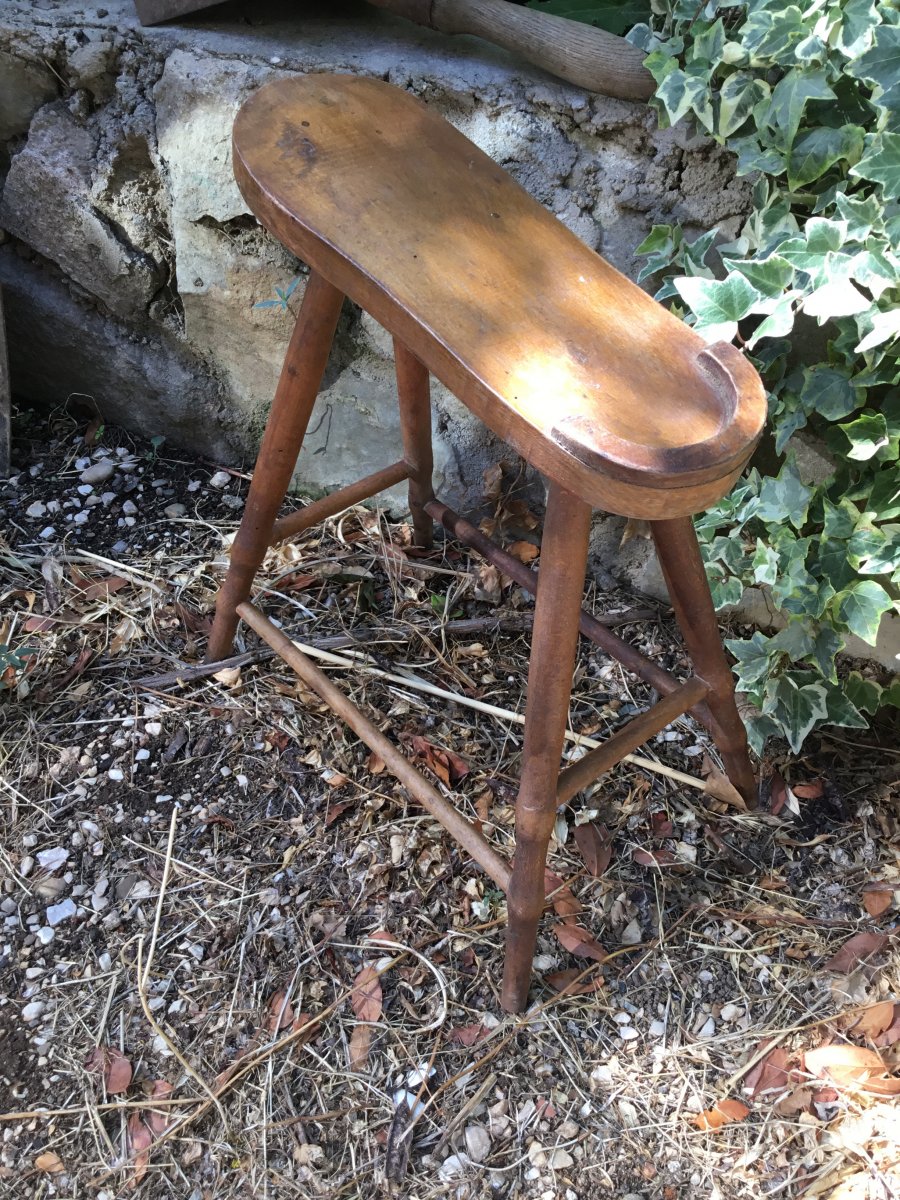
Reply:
x=720 y=786
x=126 y=631
x=852 y=1067
x=140 y=1139
x=654 y=858
x=113 y=1066
x=726 y=1112
x=877 y=898
x=892 y=1033
x=809 y=791
x=335 y=810
x=448 y=767
x=374 y=764
x=564 y=903
x=872 y=1021
x=769 y=1075
x=158 y=1120
x=469 y=1035
x=280 y=1012
x=228 y=676
x=487 y=583
x=635 y=527
x=594 y=843
x=573 y=982
x=525 y=552
x=579 y=942
x=365 y=999
x=856 y=950
x=49 y=1163
x=661 y=825
x=360 y=1041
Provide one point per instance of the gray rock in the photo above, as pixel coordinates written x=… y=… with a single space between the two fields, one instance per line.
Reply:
x=47 y=203
x=24 y=87
x=98 y=472
x=60 y=912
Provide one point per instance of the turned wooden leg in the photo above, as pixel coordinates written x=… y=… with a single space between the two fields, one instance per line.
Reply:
x=415 y=427
x=557 y=613
x=295 y=396
x=685 y=576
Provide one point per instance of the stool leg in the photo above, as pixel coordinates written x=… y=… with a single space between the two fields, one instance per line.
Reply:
x=685 y=576
x=557 y=613
x=298 y=386
x=415 y=427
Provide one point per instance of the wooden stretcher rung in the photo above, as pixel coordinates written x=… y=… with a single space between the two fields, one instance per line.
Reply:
x=335 y=502
x=591 y=626
x=414 y=782
x=596 y=762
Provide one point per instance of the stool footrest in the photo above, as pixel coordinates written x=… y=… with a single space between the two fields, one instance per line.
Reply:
x=591 y=626
x=414 y=782
x=596 y=762
x=335 y=502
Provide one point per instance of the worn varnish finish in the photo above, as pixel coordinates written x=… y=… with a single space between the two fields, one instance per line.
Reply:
x=563 y=357
x=619 y=404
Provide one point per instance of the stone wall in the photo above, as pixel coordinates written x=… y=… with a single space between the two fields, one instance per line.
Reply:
x=132 y=266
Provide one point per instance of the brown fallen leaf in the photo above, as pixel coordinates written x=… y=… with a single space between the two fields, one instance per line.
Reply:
x=469 y=1035
x=594 y=843
x=360 y=1042
x=661 y=825
x=564 y=902
x=573 y=982
x=726 y=1112
x=525 y=552
x=717 y=784
x=158 y=1119
x=366 y=997
x=49 y=1163
x=374 y=763
x=797 y=1101
x=113 y=1066
x=280 y=1012
x=140 y=1139
x=852 y=1067
x=872 y=1021
x=778 y=794
x=891 y=1034
x=654 y=858
x=856 y=950
x=448 y=767
x=335 y=811
x=769 y=1075
x=812 y=790
x=579 y=942
x=877 y=898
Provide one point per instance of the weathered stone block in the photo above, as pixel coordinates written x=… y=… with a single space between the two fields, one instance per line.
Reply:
x=24 y=87
x=47 y=204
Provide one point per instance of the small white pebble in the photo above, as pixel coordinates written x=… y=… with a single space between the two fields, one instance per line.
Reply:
x=657 y=1028
x=32 y=1011
x=142 y=755
x=84 y=489
x=708 y=1030
x=628 y=1033
x=47 y=532
x=36 y=510
x=220 y=479
x=129 y=508
x=53 y=858
x=115 y=774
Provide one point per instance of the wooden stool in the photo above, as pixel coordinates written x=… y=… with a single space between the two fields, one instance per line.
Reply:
x=615 y=401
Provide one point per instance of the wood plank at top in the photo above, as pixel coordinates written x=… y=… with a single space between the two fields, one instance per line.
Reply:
x=152 y=12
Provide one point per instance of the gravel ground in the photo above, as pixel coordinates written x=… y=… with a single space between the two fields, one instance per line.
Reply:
x=236 y=961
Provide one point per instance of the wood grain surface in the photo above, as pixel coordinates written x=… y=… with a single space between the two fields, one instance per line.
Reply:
x=575 y=366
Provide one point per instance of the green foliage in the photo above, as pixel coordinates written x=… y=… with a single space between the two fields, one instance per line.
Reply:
x=807 y=95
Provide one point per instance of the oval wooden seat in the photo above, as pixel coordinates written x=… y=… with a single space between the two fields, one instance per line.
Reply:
x=531 y=329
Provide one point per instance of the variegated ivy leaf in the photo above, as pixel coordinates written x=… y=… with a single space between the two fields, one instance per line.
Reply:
x=881 y=327
x=881 y=162
x=815 y=150
x=861 y=607
x=796 y=705
x=839 y=299
x=866 y=435
x=718 y=304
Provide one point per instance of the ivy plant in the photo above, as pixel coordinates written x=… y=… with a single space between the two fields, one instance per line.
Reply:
x=807 y=95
